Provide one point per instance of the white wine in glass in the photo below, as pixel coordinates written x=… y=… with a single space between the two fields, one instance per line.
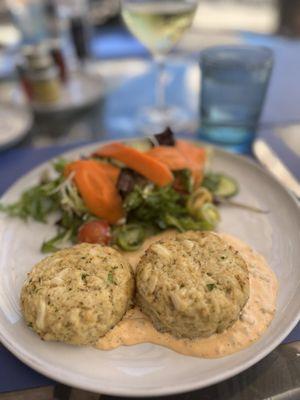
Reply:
x=159 y=25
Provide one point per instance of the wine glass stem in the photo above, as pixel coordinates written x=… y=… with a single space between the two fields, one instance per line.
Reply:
x=161 y=84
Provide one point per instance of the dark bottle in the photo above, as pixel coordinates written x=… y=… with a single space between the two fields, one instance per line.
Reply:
x=79 y=35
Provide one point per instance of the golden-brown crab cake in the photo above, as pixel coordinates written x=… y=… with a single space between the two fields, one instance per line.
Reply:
x=192 y=285
x=77 y=294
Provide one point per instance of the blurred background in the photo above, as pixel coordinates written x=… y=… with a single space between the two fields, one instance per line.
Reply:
x=95 y=90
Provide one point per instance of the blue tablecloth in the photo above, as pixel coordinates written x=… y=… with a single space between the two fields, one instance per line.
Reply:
x=13 y=164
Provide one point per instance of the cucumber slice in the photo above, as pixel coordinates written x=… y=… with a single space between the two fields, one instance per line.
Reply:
x=130 y=237
x=220 y=185
x=227 y=187
x=210 y=214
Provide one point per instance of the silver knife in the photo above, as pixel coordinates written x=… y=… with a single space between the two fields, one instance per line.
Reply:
x=275 y=166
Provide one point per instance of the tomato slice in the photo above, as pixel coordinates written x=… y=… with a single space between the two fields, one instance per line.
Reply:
x=95 y=232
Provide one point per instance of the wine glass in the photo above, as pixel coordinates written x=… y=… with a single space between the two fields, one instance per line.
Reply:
x=159 y=24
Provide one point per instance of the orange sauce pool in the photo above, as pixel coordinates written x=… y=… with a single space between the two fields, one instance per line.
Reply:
x=256 y=316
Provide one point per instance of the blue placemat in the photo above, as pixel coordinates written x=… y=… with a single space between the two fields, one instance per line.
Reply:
x=116 y=42
x=13 y=164
x=14 y=375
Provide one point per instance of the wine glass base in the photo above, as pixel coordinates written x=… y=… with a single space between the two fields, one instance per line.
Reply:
x=153 y=120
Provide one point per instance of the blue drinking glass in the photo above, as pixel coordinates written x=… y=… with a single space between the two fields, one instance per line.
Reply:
x=234 y=84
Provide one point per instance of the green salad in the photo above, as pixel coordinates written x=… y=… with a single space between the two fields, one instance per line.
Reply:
x=84 y=199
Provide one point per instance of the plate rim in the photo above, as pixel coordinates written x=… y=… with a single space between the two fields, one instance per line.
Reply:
x=24 y=131
x=39 y=366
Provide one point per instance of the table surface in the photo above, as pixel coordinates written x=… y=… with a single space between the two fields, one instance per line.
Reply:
x=278 y=374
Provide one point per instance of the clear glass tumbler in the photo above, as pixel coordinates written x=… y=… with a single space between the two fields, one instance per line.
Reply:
x=234 y=84
x=29 y=18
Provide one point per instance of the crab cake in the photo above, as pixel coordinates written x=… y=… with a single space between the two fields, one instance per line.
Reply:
x=77 y=294
x=192 y=285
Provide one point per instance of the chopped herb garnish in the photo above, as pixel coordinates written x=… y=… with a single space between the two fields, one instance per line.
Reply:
x=110 y=277
x=210 y=286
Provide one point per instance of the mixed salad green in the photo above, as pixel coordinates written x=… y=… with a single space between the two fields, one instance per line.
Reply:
x=147 y=207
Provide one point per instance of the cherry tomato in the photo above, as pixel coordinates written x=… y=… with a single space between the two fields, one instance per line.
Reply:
x=94 y=232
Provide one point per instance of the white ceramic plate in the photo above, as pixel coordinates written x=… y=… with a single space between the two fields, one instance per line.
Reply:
x=15 y=123
x=149 y=370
